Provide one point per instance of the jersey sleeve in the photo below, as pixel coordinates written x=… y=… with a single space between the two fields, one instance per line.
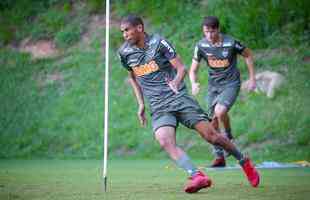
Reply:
x=197 y=55
x=238 y=47
x=123 y=61
x=167 y=50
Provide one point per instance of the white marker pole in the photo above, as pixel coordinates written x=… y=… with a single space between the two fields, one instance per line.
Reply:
x=106 y=95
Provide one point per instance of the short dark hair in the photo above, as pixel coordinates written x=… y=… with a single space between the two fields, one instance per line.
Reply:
x=132 y=19
x=211 y=21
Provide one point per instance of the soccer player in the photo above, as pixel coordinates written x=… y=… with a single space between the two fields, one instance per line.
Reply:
x=220 y=52
x=156 y=72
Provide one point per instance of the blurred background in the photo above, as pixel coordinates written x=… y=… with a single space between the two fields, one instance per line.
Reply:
x=52 y=77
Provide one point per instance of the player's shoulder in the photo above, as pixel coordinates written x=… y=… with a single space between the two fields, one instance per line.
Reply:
x=125 y=49
x=203 y=43
x=157 y=39
x=228 y=40
x=160 y=41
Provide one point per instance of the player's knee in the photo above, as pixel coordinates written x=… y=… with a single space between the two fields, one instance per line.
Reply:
x=210 y=135
x=217 y=139
x=220 y=114
x=164 y=142
x=220 y=111
x=214 y=122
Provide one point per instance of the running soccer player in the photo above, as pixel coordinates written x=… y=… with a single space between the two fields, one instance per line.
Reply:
x=156 y=73
x=220 y=52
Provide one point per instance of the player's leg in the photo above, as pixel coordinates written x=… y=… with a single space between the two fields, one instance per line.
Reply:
x=164 y=129
x=192 y=116
x=212 y=99
x=221 y=113
x=225 y=100
x=208 y=132
x=219 y=160
x=167 y=139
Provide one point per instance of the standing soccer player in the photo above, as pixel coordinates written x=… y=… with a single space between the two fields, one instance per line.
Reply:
x=220 y=52
x=156 y=72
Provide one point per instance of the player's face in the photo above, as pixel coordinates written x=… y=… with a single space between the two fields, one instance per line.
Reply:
x=131 y=33
x=212 y=34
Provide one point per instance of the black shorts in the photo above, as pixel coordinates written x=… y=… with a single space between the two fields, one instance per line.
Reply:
x=225 y=96
x=185 y=110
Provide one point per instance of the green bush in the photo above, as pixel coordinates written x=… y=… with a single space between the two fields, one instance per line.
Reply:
x=15 y=18
x=6 y=35
x=254 y=21
x=250 y=21
x=54 y=107
x=95 y=5
x=115 y=37
x=49 y=23
x=68 y=36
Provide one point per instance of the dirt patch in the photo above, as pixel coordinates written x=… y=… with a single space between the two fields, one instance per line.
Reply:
x=96 y=23
x=271 y=53
x=39 y=49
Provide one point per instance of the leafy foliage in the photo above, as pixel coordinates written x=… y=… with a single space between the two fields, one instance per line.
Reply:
x=54 y=107
x=68 y=36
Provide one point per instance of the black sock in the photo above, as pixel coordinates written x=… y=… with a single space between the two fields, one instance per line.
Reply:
x=241 y=162
x=237 y=154
x=228 y=134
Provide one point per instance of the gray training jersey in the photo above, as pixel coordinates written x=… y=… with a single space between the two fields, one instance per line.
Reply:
x=152 y=70
x=221 y=60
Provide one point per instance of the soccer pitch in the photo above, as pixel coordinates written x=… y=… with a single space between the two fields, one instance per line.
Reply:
x=140 y=179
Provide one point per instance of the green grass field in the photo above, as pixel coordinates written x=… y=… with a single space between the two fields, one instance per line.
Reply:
x=139 y=179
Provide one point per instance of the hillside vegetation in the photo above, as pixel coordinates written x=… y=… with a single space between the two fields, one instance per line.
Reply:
x=53 y=107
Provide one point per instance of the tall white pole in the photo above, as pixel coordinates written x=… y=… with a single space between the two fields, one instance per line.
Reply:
x=106 y=94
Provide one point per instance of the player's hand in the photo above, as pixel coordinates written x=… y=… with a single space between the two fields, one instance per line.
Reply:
x=173 y=86
x=195 y=88
x=252 y=85
x=141 y=115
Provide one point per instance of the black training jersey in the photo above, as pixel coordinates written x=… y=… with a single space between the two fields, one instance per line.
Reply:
x=222 y=60
x=152 y=70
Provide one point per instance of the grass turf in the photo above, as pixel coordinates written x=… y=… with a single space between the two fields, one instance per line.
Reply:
x=139 y=179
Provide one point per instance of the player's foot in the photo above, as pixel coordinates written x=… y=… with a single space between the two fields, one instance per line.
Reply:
x=219 y=162
x=197 y=182
x=250 y=171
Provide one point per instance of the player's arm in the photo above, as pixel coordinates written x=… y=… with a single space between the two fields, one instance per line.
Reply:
x=193 y=77
x=249 y=60
x=168 y=51
x=181 y=72
x=194 y=70
x=139 y=96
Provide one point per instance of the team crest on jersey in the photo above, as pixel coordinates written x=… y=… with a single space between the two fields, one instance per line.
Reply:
x=152 y=41
x=225 y=52
x=145 y=69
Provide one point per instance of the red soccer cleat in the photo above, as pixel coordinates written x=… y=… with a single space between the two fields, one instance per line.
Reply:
x=219 y=162
x=251 y=173
x=197 y=182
